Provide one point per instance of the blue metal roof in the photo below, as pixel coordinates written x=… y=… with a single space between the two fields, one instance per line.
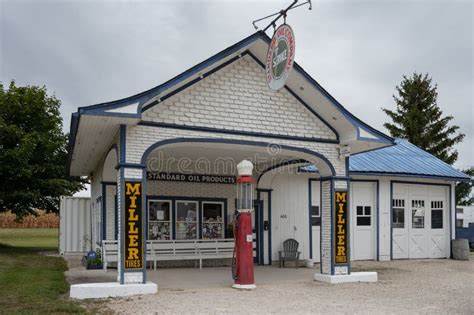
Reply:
x=401 y=159
x=404 y=158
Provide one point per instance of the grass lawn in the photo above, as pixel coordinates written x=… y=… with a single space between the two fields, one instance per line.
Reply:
x=31 y=282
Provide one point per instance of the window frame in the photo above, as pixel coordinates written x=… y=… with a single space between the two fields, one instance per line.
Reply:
x=170 y=222
x=222 y=222
x=197 y=221
x=363 y=215
x=398 y=204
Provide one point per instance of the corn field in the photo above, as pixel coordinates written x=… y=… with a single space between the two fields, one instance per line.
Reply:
x=41 y=220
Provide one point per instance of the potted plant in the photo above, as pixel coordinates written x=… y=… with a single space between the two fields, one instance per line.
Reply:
x=93 y=260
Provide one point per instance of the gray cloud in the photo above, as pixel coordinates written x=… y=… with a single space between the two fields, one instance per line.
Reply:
x=88 y=52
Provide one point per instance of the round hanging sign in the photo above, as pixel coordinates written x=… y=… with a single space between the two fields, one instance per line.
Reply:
x=280 y=57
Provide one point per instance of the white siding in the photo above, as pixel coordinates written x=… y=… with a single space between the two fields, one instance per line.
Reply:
x=74 y=225
x=290 y=212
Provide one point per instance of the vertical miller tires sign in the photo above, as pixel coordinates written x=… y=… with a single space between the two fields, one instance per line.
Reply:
x=340 y=237
x=133 y=228
x=280 y=57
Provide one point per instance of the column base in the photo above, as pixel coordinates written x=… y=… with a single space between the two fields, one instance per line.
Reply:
x=244 y=286
x=110 y=289
x=353 y=277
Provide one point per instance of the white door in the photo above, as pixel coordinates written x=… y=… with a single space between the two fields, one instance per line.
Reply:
x=363 y=221
x=419 y=221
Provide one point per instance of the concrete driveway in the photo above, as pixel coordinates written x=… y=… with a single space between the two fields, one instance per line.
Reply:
x=404 y=286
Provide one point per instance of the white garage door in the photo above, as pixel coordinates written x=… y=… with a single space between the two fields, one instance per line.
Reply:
x=419 y=221
x=363 y=221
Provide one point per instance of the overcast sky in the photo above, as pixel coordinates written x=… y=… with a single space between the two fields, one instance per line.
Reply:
x=87 y=52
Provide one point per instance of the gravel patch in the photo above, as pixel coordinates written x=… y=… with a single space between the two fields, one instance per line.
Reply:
x=404 y=286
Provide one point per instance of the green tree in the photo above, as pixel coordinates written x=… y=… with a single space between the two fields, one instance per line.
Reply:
x=33 y=151
x=418 y=118
x=463 y=190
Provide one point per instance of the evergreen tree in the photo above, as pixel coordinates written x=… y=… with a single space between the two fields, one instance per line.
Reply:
x=418 y=118
x=463 y=190
x=33 y=153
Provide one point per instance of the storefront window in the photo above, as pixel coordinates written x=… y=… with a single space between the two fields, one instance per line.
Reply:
x=159 y=217
x=186 y=220
x=212 y=220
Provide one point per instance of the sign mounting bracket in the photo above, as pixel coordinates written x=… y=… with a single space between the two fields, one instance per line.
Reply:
x=281 y=13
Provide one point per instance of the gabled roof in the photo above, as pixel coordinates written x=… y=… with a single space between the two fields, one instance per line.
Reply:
x=404 y=158
x=87 y=148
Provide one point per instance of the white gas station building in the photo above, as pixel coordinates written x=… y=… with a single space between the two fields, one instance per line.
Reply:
x=169 y=154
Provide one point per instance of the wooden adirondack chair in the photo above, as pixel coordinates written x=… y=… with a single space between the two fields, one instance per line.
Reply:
x=289 y=252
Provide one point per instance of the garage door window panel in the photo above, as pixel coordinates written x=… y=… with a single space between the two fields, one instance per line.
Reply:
x=418 y=214
x=398 y=206
x=436 y=214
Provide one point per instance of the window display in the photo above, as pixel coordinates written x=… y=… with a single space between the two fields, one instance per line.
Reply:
x=159 y=217
x=212 y=220
x=186 y=220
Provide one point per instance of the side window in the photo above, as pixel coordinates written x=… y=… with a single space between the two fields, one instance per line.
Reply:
x=315 y=216
x=398 y=215
x=418 y=214
x=436 y=214
x=363 y=215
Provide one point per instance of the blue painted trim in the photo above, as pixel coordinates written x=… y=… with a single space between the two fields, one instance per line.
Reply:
x=104 y=212
x=130 y=165
x=109 y=183
x=310 y=203
x=377 y=182
x=73 y=127
x=332 y=264
x=116 y=215
x=285 y=163
x=299 y=99
x=235 y=132
x=123 y=144
x=408 y=175
x=341 y=178
x=122 y=216
x=349 y=228
x=391 y=220
x=356 y=122
x=231 y=141
x=144 y=225
x=321 y=228
x=269 y=227
x=348 y=218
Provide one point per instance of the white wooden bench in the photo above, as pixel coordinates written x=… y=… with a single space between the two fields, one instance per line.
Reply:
x=197 y=250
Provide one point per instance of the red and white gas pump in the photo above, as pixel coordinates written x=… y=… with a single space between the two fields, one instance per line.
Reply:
x=242 y=264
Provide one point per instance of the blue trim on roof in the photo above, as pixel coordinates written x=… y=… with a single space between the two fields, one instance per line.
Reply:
x=404 y=158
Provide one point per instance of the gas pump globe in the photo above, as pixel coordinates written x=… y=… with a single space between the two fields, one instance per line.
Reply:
x=242 y=264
